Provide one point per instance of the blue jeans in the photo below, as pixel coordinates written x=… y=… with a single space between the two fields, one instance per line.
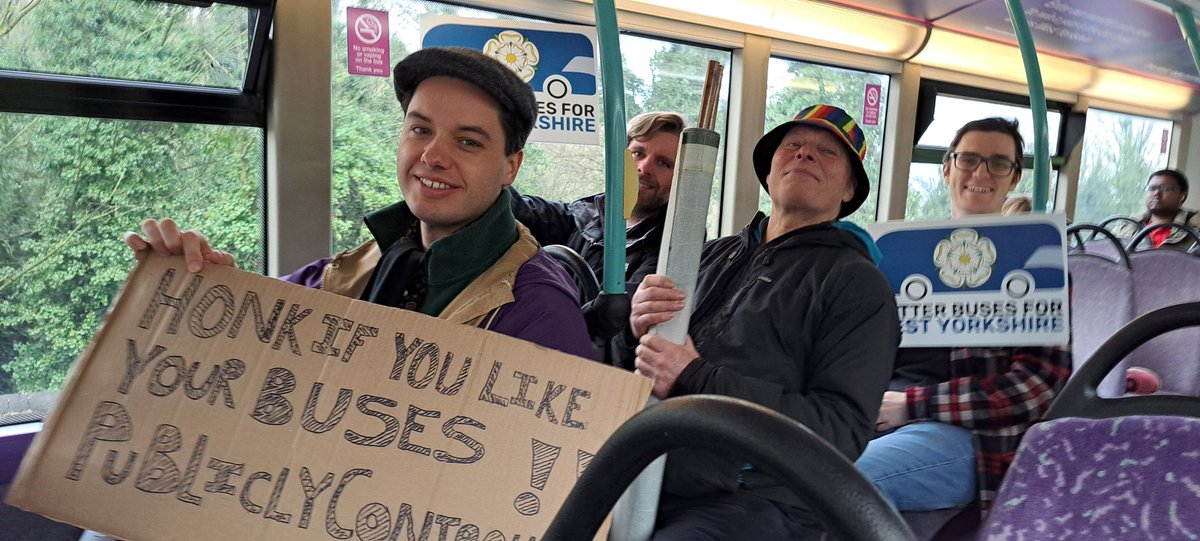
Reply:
x=922 y=466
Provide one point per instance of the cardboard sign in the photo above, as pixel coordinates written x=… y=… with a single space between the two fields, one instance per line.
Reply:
x=989 y=281
x=227 y=405
x=557 y=60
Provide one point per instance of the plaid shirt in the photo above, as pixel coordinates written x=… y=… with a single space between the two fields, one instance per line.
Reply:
x=997 y=394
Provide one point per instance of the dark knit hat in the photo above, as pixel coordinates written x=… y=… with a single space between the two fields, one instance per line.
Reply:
x=833 y=120
x=515 y=97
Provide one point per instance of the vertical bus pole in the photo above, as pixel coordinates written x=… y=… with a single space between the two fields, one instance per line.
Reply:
x=1037 y=103
x=614 y=146
x=634 y=514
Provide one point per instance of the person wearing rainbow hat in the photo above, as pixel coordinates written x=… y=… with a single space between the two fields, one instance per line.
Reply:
x=791 y=314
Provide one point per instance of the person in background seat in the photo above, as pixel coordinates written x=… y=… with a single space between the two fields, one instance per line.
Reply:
x=1017 y=204
x=1166 y=191
x=953 y=417
x=653 y=139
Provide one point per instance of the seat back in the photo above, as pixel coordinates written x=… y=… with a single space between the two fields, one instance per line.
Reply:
x=1182 y=238
x=1096 y=240
x=1121 y=225
x=1108 y=468
x=1122 y=478
x=585 y=279
x=1079 y=398
x=1101 y=303
x=1164 y=278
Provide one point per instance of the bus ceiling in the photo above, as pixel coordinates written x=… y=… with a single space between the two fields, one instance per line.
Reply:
x=1133 y=53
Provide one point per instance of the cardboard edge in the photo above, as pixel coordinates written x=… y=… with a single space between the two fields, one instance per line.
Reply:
x=18 y=493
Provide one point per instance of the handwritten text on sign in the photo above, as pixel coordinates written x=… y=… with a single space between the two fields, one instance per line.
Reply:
x=224 y=404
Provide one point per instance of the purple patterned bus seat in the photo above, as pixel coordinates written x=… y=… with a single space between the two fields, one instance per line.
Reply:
x=1132 y=478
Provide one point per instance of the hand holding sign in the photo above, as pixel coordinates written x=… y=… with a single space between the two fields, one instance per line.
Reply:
x=165 y=238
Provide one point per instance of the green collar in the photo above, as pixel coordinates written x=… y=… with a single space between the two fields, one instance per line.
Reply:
x=459 y=257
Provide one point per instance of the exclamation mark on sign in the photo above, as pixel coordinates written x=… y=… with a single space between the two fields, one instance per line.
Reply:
x=544 y=455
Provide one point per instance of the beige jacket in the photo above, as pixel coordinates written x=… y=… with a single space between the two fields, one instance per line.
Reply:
x=348 y=272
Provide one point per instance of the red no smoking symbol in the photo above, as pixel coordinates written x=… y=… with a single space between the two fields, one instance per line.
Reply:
x=368 y=28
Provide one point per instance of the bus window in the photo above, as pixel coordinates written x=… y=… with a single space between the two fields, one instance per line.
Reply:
x=951 y=112
x=928 y=198
x=71 y=182
x=1119 y=153
x=793 y=85
x=135 y=41
x=659 y=75
x=669 y=76
x=69 y=188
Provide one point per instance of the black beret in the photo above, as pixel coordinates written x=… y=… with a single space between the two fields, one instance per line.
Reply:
x=514 y=95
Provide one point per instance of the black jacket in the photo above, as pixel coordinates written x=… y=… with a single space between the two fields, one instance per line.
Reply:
x=580 y=226
x=805 y=325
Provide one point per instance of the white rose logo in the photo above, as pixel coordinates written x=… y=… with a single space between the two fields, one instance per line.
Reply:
x=964 y=259
x=511 y=48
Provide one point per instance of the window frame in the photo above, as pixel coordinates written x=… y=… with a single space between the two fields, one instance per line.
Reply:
x=67 y=95
x=115 y=99
x=885 y=101
x=921 y=153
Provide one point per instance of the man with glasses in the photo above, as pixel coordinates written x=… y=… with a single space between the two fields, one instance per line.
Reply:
x=953 y=417
x=975 y=189
x=1166 y=190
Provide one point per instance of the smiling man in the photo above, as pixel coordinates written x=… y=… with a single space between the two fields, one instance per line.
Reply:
x=982 y=167
x=653 y=139
x=791 y=314
x=452 y=248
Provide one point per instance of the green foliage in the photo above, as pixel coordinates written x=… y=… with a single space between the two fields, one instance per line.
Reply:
x=928 y=195
x=1116 y=164
x=146 y=41
x=69 y=187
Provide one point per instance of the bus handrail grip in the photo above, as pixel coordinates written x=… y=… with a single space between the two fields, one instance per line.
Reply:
x=844 y=501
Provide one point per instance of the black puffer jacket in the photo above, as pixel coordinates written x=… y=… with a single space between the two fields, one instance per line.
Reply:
x=580 y=226
x=805 y=325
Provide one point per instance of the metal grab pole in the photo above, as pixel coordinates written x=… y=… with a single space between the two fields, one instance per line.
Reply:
x=1037 y=103
x=613 y=84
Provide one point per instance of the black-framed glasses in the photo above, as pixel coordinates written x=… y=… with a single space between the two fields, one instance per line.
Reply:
x=1163 y=188
x=996 y=166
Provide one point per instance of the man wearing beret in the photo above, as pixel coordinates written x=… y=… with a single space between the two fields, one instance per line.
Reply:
x=452 y=248
x=791 y=314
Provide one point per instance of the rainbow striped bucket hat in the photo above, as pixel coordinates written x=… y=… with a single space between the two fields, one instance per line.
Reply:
x=833 y=120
